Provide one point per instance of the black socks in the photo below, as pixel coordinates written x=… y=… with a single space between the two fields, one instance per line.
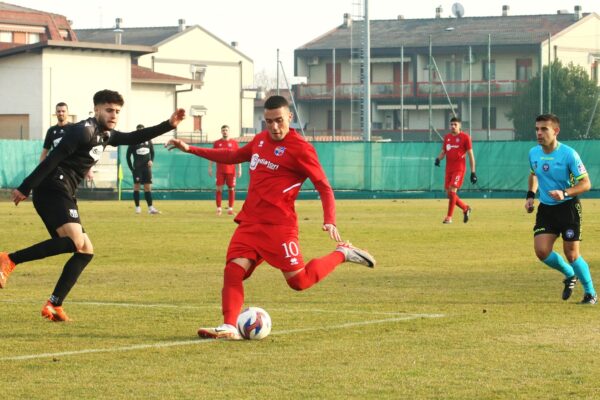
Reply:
x=48 y=248
x=73 y=268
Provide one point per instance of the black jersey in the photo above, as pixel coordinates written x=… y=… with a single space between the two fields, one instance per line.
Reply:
x=142 y=153
x=80 y=148
x=54 y=134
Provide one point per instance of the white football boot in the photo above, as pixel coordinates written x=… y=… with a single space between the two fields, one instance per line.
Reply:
x=223 y=332
x=355 y=255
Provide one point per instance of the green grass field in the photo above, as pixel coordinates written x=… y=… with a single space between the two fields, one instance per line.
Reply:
x=461 y=311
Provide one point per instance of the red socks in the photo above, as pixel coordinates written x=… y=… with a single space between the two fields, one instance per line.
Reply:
x=232 y=295
x=231 y=197
x=316 y=270
x=219 y=198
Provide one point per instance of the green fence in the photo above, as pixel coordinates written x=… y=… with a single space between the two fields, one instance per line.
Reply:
x=364 y=167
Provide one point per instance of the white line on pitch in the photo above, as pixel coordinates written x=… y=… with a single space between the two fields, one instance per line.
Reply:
x=141 y=305
x=199 y=341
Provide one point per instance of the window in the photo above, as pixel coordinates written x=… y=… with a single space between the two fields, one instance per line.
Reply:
x=453 y=71
x=330 y=72
x=338 y=120
x=33 y=38
x=484 y=73
x=484 y=118
x=524 y=71
x=6 y=37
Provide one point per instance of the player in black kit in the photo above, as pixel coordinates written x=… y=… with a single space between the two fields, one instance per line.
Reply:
x=55 y=133
x=141 y=168
x=55 y=181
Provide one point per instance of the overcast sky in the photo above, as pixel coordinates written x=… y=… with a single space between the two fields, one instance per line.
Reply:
x=262 y=26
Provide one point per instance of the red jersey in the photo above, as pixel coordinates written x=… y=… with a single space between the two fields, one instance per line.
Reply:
x=229 y=144
x=455 y=147
x=277 y=171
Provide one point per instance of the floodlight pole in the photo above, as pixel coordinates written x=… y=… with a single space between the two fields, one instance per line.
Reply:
x=367 y=75
x=277 y=72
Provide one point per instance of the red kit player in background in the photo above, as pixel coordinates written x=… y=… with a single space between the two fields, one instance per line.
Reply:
x=280 y=161
x=456 y=145
x=225 y=172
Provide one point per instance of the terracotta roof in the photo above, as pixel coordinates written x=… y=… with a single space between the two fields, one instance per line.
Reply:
x=12 y=14
x=146 y=75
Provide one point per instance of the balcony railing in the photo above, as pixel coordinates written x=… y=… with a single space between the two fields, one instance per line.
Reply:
x=390 y=90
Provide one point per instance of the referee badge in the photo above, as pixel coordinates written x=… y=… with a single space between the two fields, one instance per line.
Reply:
x=570 y=234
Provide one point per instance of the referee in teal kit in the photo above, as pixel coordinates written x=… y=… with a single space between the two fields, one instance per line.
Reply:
x=559 y=173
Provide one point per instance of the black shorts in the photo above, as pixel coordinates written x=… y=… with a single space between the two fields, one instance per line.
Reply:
x=56 y=208
x=562 y=219
x=142 y=175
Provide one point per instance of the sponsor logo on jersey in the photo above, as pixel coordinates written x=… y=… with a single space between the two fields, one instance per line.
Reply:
x=581 y=169
x=293 y=261
x=260 y=144
x=55 y=142
x=142 y=151
x=450 y=146
x=73 y=213
x=279 y=150
x=546 y=167
x=96 y=152
x=255 y=161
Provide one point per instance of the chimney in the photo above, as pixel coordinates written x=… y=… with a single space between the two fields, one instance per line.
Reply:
x=347 y=20
x=234 y=45
x=577 y=13
x=118 y=31
x=505 y=11
x=438 y=12
x=181 y=23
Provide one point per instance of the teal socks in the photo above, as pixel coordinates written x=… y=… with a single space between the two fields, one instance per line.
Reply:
x=554 y=260
x=582 y=270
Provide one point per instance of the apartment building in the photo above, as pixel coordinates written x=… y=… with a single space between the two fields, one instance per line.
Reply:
x=424 y=71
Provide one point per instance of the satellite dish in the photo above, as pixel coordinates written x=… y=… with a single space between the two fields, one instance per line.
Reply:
x=458 y=10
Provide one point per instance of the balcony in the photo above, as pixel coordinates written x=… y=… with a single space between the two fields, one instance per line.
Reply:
x=383 y=90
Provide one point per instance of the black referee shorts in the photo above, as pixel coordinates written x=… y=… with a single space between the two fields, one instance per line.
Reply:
x=56 y=208
x=561 y=219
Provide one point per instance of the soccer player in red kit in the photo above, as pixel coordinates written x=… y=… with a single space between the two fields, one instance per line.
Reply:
x=456 y=145
x=280 y=161
x=225 y=172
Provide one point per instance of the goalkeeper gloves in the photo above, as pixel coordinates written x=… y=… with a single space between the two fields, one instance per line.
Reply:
x=473 y=178
x=437 y=162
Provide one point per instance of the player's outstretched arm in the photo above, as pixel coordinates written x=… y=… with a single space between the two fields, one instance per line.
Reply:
x=334 y=234
x=177 y=117
x=16 y=196
x=177 y=144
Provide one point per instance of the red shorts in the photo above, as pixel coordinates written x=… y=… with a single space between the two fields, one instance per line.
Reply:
x=228 y=179
x=275 y=244
x=454 y=178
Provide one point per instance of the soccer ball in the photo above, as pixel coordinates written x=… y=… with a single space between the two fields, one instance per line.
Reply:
x=254 y=323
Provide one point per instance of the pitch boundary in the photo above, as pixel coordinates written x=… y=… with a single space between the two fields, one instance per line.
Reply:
x=406 y=317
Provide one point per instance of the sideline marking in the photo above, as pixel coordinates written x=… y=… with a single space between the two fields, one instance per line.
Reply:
x=200 y=341
x=216 y=306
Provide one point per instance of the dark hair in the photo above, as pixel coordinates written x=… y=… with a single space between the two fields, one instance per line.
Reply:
x=225 y=126
x=275 y=102
x=61 y=104
x=455 y=119
x=548 y=117
x=139 y=126
x=108 y=97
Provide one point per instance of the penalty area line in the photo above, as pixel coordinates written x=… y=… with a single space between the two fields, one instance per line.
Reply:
x=201 y=341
